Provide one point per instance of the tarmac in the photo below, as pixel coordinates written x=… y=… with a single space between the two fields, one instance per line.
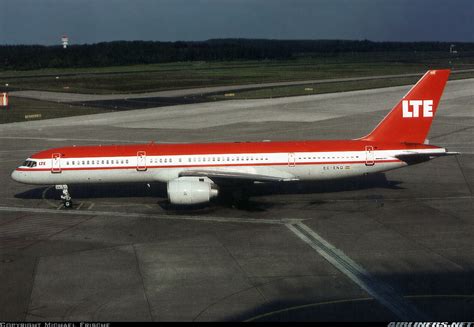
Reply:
x=394 y=246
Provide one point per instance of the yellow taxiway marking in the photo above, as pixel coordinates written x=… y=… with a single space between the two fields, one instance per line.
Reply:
x=281 y=221
x=50 y=203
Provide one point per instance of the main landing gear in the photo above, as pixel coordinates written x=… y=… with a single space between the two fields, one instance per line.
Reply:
x=66 y=197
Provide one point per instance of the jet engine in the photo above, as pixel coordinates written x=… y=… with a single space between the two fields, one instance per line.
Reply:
x=191 y=190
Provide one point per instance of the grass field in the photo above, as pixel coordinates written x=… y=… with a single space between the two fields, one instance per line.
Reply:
x=308 y=89
x=145 y=78
x=26 y=110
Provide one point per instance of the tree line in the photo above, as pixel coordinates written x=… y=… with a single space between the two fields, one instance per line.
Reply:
x=24 y=57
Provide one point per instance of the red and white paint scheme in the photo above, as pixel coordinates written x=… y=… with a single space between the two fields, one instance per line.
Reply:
x=194 y=171
x=4 y=99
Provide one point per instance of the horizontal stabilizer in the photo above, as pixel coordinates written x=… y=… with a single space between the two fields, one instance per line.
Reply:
x=412 y=158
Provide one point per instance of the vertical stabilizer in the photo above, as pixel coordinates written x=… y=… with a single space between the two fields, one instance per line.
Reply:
x=410 y=120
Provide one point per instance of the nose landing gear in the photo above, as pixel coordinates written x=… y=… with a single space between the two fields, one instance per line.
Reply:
x=66 y=197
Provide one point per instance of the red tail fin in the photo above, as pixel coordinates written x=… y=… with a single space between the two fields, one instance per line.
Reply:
x=410 y=120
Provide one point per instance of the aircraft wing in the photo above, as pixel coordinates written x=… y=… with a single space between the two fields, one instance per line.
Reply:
x=239 y=175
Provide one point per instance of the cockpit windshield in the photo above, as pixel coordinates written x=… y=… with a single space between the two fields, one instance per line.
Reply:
x=29 y=163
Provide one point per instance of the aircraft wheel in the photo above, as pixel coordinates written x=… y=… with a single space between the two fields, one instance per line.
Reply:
x=68 y=204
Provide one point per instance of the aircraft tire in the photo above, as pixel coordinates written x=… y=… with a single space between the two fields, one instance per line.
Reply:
x=68 y=204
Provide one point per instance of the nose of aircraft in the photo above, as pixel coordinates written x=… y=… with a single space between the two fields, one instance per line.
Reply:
x=19 y=176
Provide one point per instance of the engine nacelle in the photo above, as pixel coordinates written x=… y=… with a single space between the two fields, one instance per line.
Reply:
x=191 y=190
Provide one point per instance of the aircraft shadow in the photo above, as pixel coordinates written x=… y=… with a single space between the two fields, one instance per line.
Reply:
x=437 y=294
x=332 y=186
x=245 y=197
x=235 y=196
x=88 y=191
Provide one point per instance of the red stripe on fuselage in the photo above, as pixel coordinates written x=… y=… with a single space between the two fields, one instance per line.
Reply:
x=152 y=149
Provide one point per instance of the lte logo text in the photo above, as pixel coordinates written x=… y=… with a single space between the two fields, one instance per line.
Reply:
x=411 y=108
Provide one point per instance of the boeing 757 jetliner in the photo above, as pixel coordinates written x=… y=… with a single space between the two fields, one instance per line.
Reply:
x=193 y=172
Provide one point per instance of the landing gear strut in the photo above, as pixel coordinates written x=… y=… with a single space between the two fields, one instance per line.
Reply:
x=66 y=197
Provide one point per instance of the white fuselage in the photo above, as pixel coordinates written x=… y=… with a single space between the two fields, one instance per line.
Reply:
x=143 y=168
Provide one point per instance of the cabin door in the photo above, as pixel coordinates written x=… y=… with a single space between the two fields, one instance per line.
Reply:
x=291 y=159
x=369 y=155
x=56 y=163
x=141 y=160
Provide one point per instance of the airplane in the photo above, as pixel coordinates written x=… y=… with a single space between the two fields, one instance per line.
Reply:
x=193 y=172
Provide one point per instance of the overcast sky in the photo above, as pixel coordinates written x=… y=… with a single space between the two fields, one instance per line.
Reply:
x=90 y=21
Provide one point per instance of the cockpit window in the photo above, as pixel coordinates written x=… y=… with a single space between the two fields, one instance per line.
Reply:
x=30 y=163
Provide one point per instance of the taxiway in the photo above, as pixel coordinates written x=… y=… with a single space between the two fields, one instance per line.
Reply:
x=397 y=246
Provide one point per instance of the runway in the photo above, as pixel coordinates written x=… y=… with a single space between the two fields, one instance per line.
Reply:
x=387 y=247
